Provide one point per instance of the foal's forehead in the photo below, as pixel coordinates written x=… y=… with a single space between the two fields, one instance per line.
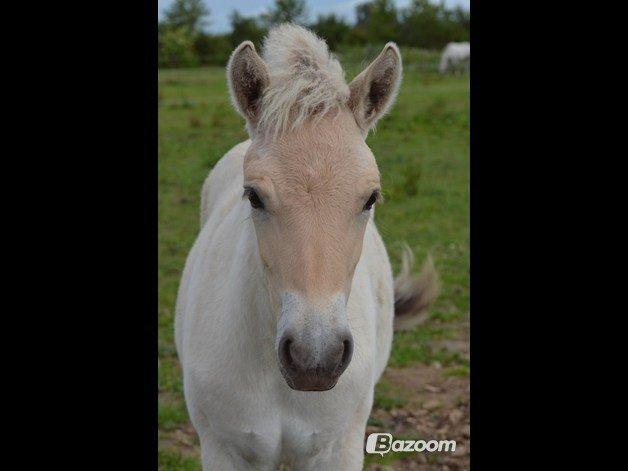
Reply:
x=330 y=148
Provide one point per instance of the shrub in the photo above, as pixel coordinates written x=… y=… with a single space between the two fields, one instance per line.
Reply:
x=176 y=48
x=212 y=50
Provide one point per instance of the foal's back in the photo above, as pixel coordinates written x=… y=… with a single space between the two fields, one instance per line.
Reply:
x=224 y=182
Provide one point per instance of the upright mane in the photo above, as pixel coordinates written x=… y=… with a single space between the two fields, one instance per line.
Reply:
x=306 y=80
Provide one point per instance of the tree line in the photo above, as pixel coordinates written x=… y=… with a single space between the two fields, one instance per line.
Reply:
x=184 y=41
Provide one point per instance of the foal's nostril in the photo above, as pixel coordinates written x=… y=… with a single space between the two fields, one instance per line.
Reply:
x=284 y=352
x=348 y=351
x=346 y=354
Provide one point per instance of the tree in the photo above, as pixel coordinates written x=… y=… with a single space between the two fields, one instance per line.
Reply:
x=176 y=48
x=286 y=11
x=245 y=28
x=428 y=24
x=432 y=26
x=189 y=15
x=462 y=20
x=377 y=21
x=332 y=29
x=212 y=49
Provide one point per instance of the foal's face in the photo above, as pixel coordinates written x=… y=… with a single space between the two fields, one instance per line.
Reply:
x=311 y=194
x=312 y=190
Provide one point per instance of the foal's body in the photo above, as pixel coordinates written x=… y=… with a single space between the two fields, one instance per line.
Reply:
x=285 y=309
x=246 y=415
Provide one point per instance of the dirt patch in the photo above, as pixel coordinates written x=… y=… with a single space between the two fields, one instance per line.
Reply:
x=182 y=439
x=435 y=406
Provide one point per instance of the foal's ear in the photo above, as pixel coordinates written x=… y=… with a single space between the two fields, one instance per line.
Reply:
x=374 y=90
x=247 y=75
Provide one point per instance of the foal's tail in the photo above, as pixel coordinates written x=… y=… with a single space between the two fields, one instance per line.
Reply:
x=413 y=295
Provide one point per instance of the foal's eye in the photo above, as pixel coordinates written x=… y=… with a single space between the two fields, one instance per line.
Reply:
x=371 y=201
x=254 y=199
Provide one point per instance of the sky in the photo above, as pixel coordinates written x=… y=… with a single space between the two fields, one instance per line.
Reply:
x=220 y=10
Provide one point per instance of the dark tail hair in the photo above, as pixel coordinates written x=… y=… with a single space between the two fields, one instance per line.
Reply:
x=413 y=295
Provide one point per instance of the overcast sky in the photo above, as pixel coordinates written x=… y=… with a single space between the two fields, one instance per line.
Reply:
x=220 y=10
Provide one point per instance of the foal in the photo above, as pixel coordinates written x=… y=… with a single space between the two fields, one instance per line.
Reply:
x=285 y=309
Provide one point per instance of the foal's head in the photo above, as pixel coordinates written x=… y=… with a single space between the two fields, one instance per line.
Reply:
x=312 y=182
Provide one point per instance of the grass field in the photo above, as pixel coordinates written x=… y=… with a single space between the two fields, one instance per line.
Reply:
x=422 y=149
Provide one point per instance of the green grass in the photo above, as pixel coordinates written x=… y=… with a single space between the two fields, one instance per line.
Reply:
x=171 y=461
x=386 y=396
x=422 y=148
x=417 y=345
x=458 y=370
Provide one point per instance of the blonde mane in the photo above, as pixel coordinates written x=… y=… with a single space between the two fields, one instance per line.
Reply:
x=306 y=80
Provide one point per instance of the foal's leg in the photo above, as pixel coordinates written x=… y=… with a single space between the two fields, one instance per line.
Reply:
x=344 y=455
x=213 y=456
x=351 y=451
x=216 y=457
x=351 y=456
x=348 y=453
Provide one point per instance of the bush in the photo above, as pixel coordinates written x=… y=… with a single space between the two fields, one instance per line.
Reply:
x=176 y=48
x=246 y=29
x=333 y=29
x=212 y=50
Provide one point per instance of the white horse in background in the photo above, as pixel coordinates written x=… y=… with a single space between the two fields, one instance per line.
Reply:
x=285 y=309
x=455 y=57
